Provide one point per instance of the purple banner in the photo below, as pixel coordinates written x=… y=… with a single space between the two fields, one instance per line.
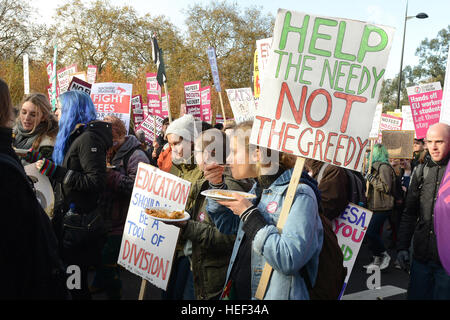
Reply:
x=442 y=221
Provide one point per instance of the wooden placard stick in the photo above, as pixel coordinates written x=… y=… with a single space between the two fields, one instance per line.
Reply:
x=369 y=168
x=143 y=289
x=289 y=198
x=223 y=109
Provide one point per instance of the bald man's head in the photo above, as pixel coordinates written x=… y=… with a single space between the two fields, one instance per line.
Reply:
x=438 y=141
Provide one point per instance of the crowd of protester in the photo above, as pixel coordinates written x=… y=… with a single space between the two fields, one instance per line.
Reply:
x=222 y=249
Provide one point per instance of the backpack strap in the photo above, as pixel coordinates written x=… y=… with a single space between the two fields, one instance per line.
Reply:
x=321 y=171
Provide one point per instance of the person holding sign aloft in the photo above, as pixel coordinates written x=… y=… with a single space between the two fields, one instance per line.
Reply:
x=258 y=239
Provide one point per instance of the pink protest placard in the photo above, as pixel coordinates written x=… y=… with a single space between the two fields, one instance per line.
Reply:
x=193 y=98
x=153 y=95
x=206 y=112
x=138 y=110
x=425 y=101
x=63 y=76
x=164 y=106
x=150 y=125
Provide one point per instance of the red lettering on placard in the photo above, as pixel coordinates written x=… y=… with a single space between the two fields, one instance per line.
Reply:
x=320 y=123
x=263 y=121
x=318 y=142
x=338 y=146
x=275 y=133
x=287 y=136
x=348 y=107
x=330 y=135
x=305 y=153
x=298 y=113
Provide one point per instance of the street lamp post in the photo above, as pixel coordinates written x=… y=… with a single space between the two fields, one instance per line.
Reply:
x=418 y=16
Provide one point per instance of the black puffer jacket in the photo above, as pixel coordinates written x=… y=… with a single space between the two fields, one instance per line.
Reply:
x=418 y=216
x=82 y=176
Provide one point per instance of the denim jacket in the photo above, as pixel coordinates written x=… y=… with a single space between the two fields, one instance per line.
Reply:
x=298 y=245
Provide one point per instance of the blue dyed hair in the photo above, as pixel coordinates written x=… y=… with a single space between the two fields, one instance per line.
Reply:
x=380 y=153
x=77 y=107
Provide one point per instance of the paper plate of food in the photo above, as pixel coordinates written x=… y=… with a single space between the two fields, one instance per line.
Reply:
x=167 y=215
x=21 y=152
x=219 y=194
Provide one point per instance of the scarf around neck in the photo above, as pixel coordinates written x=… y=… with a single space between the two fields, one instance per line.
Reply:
x=24 y=139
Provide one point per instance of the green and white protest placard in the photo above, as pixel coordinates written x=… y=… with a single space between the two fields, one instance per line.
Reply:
x=148 y=245
x=321 y=87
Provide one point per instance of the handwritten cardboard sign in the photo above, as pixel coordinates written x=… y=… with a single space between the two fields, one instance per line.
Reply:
x=399 y=143
x=148 y=245
x=350 y=228
x=263 y=47
x=321 y=87
x=242 y=104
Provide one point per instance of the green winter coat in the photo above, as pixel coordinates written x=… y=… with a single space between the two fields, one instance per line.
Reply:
x=211 y=249
x=380 y=189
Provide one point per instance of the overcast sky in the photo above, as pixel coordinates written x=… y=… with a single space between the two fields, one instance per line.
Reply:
x=385 y=12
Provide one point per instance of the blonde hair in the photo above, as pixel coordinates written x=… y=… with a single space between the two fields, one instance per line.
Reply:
x=285 y=160
x=45 y=108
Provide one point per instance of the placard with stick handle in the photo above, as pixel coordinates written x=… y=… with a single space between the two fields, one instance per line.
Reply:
x=211 y=52
x=309 y=114
x=289 y=198
x=369 y=168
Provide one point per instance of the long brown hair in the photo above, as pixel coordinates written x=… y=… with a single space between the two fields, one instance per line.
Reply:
x=5 y=104
x=44 y=106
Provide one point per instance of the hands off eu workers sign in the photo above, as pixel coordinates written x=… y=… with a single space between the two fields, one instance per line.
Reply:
x=321 y=87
